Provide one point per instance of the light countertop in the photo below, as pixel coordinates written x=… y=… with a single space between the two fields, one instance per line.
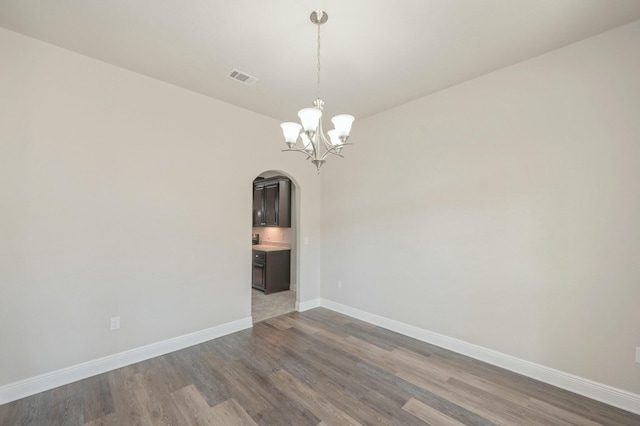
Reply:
x=268 y=247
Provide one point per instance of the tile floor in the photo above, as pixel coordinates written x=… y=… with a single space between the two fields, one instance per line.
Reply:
x=272 y=305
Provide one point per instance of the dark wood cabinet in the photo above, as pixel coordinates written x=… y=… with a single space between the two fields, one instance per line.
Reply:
x=271 y=270
x=272 y=202
x=258 y=211
x=259 y=270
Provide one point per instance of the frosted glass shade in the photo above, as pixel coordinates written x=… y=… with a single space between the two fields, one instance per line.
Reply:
x=334 y=137
x=309 y=118
x=291 y=131
x=343 y=123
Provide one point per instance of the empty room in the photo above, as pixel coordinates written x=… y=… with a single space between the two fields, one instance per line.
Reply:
x=443 y=200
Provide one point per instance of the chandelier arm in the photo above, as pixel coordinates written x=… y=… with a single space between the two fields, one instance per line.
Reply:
x=328 y=153
x=334 y=151
x=327 y=144
x=314 y=143
x=297 y=150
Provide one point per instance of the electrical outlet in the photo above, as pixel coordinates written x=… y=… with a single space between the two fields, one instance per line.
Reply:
x=305 y=241
x=282 y=236
x=638 y=354
x=115 y=323
x=339 y=284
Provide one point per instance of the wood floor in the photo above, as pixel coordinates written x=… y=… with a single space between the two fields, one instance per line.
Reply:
x=316 y=367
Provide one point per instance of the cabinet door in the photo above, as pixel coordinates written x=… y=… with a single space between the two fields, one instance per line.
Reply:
x=277 y=271
x=259 y=278
x=284 y=203
x=258 y=205
x=271 y=202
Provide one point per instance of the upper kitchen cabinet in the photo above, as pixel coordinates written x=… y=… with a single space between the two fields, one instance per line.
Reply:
x=272 y=202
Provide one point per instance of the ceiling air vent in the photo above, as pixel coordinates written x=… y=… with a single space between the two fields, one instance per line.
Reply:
x=242 y=77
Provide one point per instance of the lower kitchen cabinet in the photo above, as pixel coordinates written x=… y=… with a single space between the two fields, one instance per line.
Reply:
x=271 y=270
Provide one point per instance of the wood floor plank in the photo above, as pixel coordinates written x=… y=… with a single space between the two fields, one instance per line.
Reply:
x=394 y=387
x=281 y=410
x=128 y=399
x=561 y=399
x=151 y=406
x=96 y=398
x=231 y=347
x=390 y=410
x=406 y=342
x=305 y=326
x=370 y=352
x=317 y=404
x=230 y=413
x=496 y=410
x=443 y=372
x=156 y=386
x=316 y=367
x=112 y=419
x=330 y=318
x=65 y=404
x=9 y=413
x=286 y=339
x=428 y=414
x=405 y=360
x=193 y=407
x=336 y=366
x=344 y=400
x=197 y=372
x=278 y=323
x=284 y=410
x=558 y=415
x=241 y=384
x=33 y=410
x=512 y=405
x=364 y=333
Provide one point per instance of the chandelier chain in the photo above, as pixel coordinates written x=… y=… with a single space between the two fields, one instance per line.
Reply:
x=318 y=53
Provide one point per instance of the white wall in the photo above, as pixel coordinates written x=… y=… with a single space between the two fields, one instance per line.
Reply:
x=503 y=212
x=124 y=196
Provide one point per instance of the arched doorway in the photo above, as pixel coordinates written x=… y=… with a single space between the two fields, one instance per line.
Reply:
x=276 y=245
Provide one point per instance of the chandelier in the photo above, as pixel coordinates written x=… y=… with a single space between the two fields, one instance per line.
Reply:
x=315 y=144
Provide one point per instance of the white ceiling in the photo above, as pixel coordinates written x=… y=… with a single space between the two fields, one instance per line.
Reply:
x=376 y=54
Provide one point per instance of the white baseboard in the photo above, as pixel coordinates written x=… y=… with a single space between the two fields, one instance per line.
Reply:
x=309 y=304
x=609 y=395
x=43 y=382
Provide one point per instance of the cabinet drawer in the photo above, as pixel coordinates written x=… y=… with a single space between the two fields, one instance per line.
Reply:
x=259 y=256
